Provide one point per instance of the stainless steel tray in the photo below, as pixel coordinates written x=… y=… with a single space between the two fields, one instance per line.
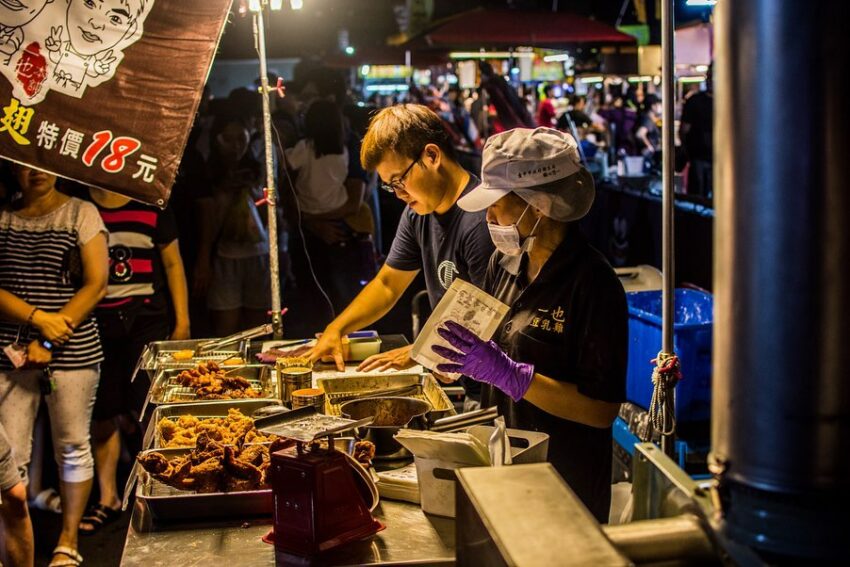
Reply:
x=167 y=503
x=201 y=410
x=339 y=390
x=166 y=390
x=157 y=355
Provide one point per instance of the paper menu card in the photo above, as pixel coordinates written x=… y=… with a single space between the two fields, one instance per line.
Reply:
x=467 y=305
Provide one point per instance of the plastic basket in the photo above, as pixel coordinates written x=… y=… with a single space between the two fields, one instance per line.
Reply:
x=692 y=329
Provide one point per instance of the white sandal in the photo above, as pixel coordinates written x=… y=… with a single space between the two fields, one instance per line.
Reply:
x=72 y=557
x=48 y=500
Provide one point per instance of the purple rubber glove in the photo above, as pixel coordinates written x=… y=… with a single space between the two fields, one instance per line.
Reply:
x=483 y=361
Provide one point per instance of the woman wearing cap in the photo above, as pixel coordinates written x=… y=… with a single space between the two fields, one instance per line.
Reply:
x=557 y=364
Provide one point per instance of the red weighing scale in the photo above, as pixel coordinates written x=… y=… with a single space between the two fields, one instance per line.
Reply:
x=320 y=501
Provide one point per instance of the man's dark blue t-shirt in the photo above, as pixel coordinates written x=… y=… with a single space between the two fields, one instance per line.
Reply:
x=455 y=244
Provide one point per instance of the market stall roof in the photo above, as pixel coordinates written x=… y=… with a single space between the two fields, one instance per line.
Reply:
x=483 y=27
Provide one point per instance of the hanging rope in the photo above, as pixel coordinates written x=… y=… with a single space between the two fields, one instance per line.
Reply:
x=665 y=376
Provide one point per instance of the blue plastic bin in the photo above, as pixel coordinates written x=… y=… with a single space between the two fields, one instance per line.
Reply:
x=692 y=343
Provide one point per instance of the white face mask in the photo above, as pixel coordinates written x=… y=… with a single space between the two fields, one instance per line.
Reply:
x=506 y=238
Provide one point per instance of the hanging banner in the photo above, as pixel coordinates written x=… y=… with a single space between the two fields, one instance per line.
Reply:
x=105 y=91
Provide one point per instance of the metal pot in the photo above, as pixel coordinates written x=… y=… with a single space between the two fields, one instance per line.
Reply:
x=391 y=414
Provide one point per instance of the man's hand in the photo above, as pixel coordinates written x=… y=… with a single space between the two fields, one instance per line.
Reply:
x=55 y=327
x=37 y=355
x=328 y=345
x=181 y=331
x=398 y=359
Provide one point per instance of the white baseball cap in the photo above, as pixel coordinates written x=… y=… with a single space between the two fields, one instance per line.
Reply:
x=542 y=166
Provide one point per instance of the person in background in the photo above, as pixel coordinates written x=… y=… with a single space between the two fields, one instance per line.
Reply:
x=577 y=114
x=146 y=283
x=557 y=364
x=16 y=541
x=411 y=151
x=233 y=253
x=647 y=132
x=40 y=235
x=321 y=163
x=545 y=109
x=696 y=134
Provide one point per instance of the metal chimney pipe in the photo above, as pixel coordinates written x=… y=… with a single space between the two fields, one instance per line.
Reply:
x=781 y=393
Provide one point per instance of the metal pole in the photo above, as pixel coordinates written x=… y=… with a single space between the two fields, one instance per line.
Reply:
x=668 y=72
x=271 y=192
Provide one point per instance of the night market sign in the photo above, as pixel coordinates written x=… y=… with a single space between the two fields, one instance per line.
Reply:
x=105 y=91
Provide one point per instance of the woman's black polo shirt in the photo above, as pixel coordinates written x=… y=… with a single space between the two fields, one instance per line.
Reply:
x=571 y=322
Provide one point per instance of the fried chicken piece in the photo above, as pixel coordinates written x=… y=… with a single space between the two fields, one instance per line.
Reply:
x=167 y=429
x=254 y=454
x=240 y=469
x=206 y=449
x=206 y=476
x=236 y=382
x=364 y=452
x=187 y=421
x=154 y=463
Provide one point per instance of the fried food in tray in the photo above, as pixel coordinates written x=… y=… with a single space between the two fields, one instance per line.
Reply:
x=211 y=382
x=211 y=467
x=184 y=431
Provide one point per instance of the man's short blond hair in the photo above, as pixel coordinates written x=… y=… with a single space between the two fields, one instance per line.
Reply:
x=404 y=129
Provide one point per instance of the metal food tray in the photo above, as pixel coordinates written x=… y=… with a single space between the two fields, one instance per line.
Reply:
x=341 y=389
x=167 y=503
x=157 y=355
x=201 y=410
x=166 y=390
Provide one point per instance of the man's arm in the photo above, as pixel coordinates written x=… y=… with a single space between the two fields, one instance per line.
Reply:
x=172 y=262
x=95 y=259
x=376 y=299
x=562 y=399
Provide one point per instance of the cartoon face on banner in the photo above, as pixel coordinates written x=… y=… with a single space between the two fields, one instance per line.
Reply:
x=65 y=45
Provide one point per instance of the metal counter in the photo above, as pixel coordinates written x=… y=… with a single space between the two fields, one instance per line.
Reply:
x=410 y=537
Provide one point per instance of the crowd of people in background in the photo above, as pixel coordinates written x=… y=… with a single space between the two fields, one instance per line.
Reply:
x=117 y=274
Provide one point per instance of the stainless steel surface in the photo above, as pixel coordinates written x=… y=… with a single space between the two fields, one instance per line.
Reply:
x=780 y=393
x=343 y=389
x=165 y=389
x=464 y=420
x=526 y=515
x=668 y=242
x=201 y=410
x=410 y=538
x=680 y=540
x=663 y=490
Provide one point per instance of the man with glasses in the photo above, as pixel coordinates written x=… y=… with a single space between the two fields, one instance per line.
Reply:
x=411 y=151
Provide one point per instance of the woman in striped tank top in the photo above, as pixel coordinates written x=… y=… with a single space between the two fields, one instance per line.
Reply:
x=49 y=313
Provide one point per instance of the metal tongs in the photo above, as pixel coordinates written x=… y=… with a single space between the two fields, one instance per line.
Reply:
x=253 y=333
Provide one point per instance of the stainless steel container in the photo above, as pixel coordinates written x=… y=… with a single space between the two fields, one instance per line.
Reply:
x=309 y=397
x=293 y=373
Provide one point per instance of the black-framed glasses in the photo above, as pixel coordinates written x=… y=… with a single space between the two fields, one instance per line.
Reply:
x=397 y=184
